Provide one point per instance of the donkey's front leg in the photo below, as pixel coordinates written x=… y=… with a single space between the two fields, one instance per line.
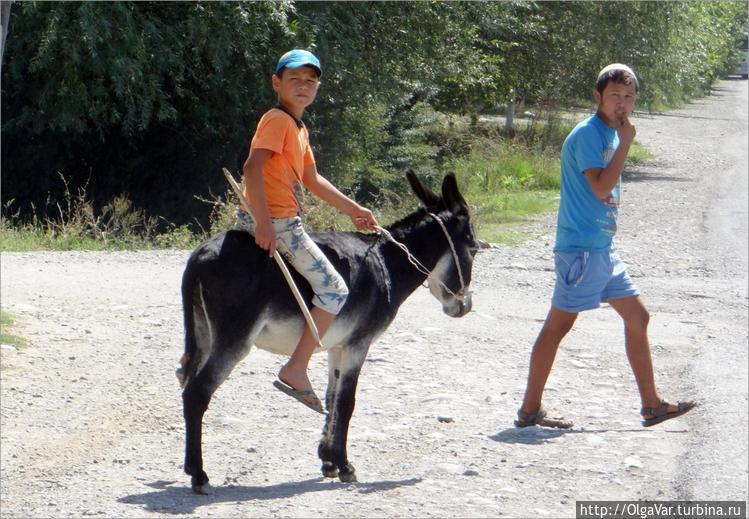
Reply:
x=324 y=450
x=352 y=358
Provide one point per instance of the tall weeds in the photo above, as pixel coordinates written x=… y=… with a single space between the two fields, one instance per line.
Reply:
x=75 y=224
x=507 y=177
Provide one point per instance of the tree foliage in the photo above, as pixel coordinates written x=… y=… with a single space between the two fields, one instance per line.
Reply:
x=144 y=98
x=151 y=99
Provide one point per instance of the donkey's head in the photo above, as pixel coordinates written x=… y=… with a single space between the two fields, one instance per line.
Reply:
x=450 y=279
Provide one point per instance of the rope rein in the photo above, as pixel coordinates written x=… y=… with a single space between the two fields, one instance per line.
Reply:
x=460 y=296
x=462 y=293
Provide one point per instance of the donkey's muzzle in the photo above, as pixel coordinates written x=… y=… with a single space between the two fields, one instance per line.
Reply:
x=458 y=307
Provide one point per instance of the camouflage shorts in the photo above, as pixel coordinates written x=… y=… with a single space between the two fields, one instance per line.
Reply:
x=298 y=249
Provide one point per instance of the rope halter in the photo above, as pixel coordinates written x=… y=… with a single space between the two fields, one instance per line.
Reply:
x=463 y=292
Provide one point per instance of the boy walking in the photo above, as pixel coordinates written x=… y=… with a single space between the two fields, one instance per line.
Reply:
x=588 y=268
x=281 y=159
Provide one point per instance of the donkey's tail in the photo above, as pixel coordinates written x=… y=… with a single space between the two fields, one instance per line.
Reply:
x=191 y=357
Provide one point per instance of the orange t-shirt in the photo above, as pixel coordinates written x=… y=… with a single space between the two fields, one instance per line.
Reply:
x=278 y=132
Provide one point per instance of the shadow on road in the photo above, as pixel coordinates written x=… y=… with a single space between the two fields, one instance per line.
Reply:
x=539 y=435
x=648 y=176
x=180 y=499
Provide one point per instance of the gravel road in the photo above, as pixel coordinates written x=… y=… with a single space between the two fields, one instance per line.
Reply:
x=91 y=422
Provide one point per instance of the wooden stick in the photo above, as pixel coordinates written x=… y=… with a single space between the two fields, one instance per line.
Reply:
x=276 y=256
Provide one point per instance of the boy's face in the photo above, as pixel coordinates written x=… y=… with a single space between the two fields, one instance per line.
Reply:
x=297 y=87
x=616 y=102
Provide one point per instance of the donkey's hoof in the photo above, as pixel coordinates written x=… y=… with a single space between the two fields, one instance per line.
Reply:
x=200 y=484
x=347 y=474
x=329 y=470
x=204 y=490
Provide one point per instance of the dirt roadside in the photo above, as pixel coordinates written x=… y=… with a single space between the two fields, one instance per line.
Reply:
x=90 y=418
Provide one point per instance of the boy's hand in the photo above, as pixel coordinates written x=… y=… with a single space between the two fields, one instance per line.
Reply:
x=265 y=237
x=626 y=130
x=363 y=219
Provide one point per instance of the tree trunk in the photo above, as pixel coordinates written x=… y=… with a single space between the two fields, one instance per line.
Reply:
x=510 y=117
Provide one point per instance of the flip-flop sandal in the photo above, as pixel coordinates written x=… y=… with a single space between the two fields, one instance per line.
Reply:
x=302 y=395
x=660 y=414
x=541 y=418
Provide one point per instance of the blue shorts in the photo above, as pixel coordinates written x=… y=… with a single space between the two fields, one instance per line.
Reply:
x=587 y=279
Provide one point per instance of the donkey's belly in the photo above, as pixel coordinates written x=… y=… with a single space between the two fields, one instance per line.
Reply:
x=282 y=336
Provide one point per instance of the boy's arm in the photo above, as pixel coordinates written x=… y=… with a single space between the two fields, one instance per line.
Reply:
x=324 y=190
x=602 y=181
x=265 y=235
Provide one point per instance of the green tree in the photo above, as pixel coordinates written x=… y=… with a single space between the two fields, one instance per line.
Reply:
x=146 y=98
x=151 y=99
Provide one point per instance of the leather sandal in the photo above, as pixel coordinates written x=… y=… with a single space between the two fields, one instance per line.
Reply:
x=661 y=414
x=542 y=419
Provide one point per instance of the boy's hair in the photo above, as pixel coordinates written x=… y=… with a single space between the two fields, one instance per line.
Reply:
x=616 y=73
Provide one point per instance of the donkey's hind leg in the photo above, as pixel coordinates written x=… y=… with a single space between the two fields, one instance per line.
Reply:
x=197 y=343
x=195 y=399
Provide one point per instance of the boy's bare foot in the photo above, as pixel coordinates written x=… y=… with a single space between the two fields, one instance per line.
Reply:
x=297 y=385
x=294 y=378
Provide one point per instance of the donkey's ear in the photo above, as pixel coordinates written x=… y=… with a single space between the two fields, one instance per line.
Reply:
x=427 y=197
x=451 y=195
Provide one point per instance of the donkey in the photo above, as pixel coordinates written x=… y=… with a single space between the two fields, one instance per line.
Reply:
x=234 y=296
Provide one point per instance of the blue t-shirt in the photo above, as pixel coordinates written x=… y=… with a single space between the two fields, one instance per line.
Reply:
x=586 y=223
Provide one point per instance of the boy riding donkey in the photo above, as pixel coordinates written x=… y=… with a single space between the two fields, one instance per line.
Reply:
x=281 y=159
